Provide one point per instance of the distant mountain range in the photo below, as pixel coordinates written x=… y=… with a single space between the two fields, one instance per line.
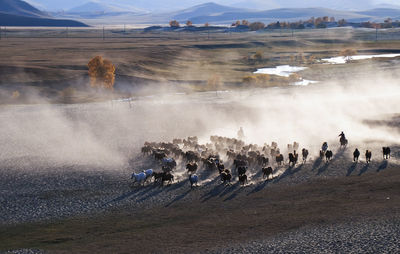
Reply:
x=119 y=12
x=20 y=13
x=162 y=6
x=219 y=14
x=18 y=7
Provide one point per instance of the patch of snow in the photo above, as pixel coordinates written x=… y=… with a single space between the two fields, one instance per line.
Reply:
x=343 y=60
x=282 y=70
x=304 y=82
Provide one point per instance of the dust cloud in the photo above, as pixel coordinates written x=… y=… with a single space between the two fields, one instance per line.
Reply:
x=109 y=134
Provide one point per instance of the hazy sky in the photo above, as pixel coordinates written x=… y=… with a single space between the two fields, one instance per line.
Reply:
x=170 y=5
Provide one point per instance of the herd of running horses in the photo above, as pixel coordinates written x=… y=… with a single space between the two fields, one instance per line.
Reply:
x=238 y=158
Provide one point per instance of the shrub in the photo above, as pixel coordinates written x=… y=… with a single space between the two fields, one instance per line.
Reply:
x=101 y=73
x=255 y=26
x=174 y=23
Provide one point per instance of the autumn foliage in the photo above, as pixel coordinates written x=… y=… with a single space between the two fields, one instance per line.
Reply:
x=101 y=73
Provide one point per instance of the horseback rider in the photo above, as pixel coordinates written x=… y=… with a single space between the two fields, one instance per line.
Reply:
x=324 y=147
x=240 y=133
x=342 y=136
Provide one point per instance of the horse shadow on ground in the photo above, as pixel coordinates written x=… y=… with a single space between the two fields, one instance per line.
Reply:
x=234 y=194
x=364 y=169
x=177 y=185
x=205 y=174
x=382 y=166
x=351 y=169
x=216 y=191
x=179 y=197
x=155 y=192
x=258 y=174
x=212 y=182
x=316 y=163
x=288 y=172
x=260 y=187
x=323 y=168
x=229 y=189
x=138 y=191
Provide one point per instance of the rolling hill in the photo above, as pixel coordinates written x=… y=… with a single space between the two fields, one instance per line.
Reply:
x=18 y=7
x=277 y=14
x=207 y=9
x=20 y=13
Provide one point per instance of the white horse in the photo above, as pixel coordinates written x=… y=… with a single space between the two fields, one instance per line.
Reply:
x=149 y=173
x=139 y=178
x=194 y=179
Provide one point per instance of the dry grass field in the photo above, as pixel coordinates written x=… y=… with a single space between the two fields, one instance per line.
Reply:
x=54 y=66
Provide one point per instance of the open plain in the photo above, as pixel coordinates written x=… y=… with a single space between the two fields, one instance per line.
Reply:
x=67 y=151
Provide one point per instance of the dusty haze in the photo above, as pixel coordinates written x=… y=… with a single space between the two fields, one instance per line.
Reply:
x=107 y=135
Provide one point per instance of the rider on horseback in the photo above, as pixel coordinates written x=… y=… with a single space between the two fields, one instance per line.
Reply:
x=324 y=147
x=343 y=140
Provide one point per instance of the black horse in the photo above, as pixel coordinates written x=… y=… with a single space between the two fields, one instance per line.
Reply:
x=191 y=167
x=243 y=179
x=293 y=157
x=226 y=176
x=386 y=152
x=328 y=155
x=167 y=177
x=267 y=172
x=356 y=154
x=368 y=155
x=242 y=171
x=279 y=159
x=304 y=152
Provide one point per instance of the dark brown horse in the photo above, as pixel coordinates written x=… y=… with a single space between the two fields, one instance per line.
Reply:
x=356 y=155
x=243 y=179
x=279 y=159
x=226 y=176
x=304 y=152
x=191 y=167
x=386 y=152
x=267 y=171
x=293 y=157
x=328 y=155
x=368 y=155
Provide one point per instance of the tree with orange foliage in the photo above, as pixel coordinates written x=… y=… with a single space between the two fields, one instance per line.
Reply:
x=101 y=73
x=174 y=23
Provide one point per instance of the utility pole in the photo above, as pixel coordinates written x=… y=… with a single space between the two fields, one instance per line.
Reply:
x=376 y=34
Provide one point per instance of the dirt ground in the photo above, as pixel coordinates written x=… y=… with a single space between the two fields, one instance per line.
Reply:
x=198 y=226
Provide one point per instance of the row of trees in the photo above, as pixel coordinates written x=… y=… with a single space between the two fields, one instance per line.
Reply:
x=319 y=22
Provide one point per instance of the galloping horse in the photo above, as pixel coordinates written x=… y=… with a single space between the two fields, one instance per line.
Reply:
x=343 y=140
x=304 y=152
x=267 y=172
x=386 y=152
x=368 y=155
x=139 y=178
x=193 y=180
x=293 y=157
x=356 y=154
x=328 y=155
